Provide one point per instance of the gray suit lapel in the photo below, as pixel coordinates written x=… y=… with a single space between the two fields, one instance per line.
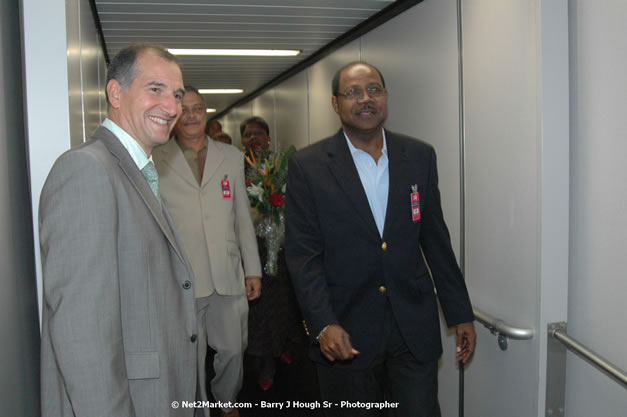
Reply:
x=343 y=169
x=127 y=165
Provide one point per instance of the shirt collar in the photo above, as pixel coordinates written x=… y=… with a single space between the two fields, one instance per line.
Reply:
x=353 y=149
x=184 y=148
x=132 y=146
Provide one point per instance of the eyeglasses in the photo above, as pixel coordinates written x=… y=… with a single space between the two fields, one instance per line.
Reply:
x=358 y=93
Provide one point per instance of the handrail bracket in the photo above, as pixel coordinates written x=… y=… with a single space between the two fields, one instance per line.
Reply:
x=502 y=330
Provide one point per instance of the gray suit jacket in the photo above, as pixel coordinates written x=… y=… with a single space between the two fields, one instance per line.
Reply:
x=217 y=233
x=119 y=320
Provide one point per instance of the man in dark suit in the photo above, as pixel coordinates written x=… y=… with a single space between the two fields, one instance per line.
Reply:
x=119 y=329
x=363 y=207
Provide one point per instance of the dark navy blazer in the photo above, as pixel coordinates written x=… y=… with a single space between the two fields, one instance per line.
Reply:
x=344 y=272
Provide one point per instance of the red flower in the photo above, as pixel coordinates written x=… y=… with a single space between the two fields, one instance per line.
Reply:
x=248 y=181
x=277 y=200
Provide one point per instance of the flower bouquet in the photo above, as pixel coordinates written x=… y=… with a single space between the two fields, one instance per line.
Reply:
x=266 y=178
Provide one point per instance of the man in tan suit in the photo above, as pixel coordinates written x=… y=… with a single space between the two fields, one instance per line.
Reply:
x=119 y=329
x=202 y=184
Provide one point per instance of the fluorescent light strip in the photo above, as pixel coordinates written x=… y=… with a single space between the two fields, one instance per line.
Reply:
x=236 y=52
x=220 y=91
x=211 y=110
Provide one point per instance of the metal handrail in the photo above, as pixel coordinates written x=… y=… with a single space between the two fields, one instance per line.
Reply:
x=502 y=329
x=572 y=344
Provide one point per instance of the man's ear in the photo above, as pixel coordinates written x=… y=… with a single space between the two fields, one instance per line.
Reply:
x=334 y=104
x=114 y=89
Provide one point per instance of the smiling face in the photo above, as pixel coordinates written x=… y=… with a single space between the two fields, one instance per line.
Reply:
x=361 y=114
x=191 y=124
x=150 y=107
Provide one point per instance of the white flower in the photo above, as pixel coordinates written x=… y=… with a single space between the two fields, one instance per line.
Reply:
x=284 y=188
x=255 y=191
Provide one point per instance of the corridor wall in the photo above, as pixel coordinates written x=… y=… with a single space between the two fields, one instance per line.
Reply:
x=598 y=202
x=19 y=347
x=487 y=85
x=63 y=85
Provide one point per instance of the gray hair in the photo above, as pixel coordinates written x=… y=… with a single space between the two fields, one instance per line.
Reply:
x=122 y=67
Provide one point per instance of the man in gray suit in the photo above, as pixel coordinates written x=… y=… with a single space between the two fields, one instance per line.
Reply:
x=119 y=321
x=202 y=183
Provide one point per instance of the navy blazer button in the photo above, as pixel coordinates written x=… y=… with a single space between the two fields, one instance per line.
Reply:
x=382 y=289
x=193 y=338
x=187 y=285
x=384 y=246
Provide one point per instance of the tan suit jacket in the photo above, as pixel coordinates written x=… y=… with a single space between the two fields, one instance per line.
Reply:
x=119 y=323
x=217 y=233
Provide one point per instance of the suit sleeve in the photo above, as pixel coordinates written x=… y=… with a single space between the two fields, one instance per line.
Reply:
x=436 y=245
x=304 y=251
x=244 y=226
x=78 y=229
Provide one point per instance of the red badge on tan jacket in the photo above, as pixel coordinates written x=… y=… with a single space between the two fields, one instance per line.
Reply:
x=226 y=188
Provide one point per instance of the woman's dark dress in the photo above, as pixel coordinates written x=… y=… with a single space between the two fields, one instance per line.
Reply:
x=274 y=320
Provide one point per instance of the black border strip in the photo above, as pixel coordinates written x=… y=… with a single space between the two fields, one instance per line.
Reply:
x=94 y=13
x=361 y=29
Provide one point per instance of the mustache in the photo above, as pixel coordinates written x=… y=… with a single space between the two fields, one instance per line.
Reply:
x=367 y=107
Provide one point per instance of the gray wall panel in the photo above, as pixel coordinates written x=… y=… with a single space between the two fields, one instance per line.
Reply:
x=19 y=349
x=74 y=80
x=54 y=110
x=502 y=168
x=102 y=77
x=291 y=100
x=93 y=81
x=233 y=120
x=322 y=118
x=598 y=254
x=263 y=106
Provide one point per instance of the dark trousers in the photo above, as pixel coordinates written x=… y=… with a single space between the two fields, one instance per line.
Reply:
x=409 y=387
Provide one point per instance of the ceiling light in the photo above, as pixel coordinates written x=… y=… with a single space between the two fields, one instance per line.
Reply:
x=211 y=110
x=236 y=52
x=220 y=91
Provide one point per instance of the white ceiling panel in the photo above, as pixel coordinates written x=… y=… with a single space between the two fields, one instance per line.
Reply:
x=306 y=25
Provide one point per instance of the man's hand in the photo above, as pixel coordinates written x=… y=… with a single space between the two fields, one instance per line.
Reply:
x=466 y=341
x=335 y=343
x=253 y=288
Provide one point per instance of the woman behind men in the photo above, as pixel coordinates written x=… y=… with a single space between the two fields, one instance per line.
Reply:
x=274 y=319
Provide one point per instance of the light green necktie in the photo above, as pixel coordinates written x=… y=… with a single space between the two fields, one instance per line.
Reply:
x=150 y=173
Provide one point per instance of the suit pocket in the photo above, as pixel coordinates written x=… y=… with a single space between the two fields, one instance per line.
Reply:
x=232 y=249
x=142 y=365
x=236 y=269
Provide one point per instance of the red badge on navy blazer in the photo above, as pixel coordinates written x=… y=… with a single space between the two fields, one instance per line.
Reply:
x=226 y=188
x=415 y=203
